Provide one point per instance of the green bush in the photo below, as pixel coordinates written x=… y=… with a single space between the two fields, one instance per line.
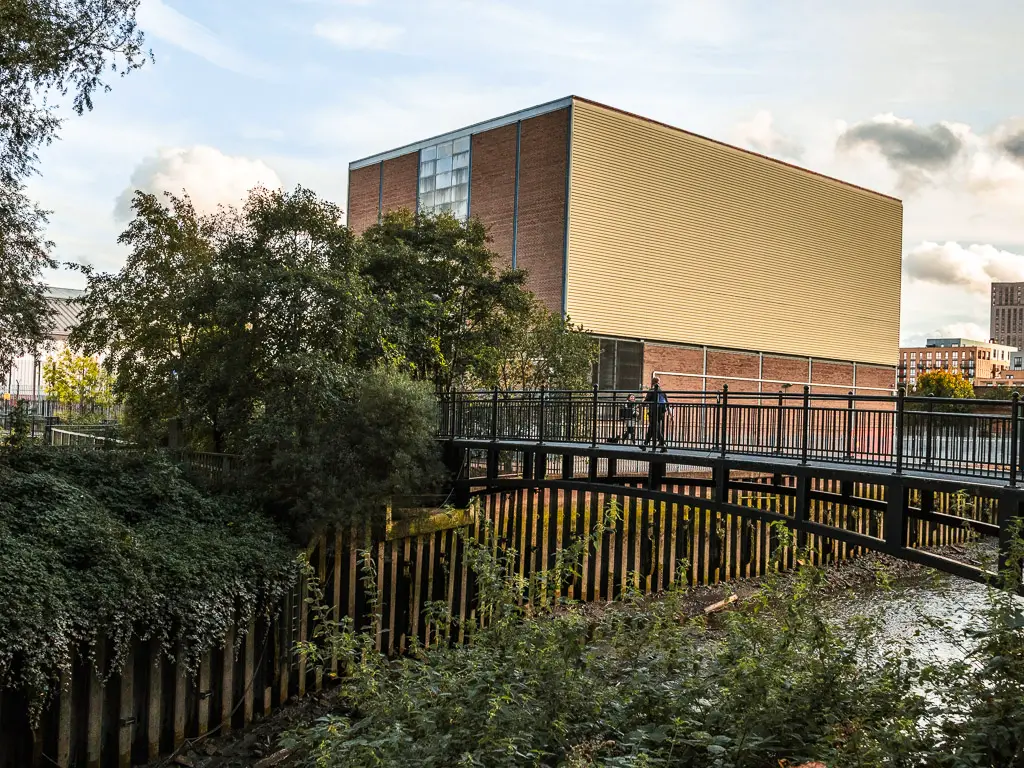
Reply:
x=635 y=684
x=98 y=544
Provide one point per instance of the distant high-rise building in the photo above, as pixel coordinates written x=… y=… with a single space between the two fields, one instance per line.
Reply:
x=1006 y=323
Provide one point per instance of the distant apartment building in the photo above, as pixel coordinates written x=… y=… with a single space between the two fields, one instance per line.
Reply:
x=1006 y=321
x=25 y=377
x=701 y=262
x=977 y=361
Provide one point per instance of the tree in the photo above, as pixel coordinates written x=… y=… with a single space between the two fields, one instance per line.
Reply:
x=941 y=383
x=77 y=381
x=24 y=312
x=211 y=314
x=546 y=350
x=47 y=48
x=444 y=306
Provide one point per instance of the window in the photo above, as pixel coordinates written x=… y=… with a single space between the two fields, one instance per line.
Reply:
x=444 y=178
x=956 y=355
x=620 y=365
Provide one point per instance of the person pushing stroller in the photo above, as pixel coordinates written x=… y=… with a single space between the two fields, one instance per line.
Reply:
x=656 y=402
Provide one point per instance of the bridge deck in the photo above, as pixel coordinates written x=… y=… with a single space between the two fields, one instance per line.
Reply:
x=871 y=473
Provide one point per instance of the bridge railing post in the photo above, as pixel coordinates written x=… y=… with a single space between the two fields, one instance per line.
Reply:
x=929 y=419
x=901 y=395
x=723 y=421
x=1014 y=435
x=494 y=414
x=540 y=426
x=850 y=417
x=806 y=425
x=780 y=423
x=593 y=430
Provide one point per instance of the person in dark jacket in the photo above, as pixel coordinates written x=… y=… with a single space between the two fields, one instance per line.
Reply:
x=628 y=415
x=656 y=403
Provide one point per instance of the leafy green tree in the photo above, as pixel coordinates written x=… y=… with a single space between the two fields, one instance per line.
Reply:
x=206 y=320
x=341 y=445
x=76 y=381
x=48 y=48
x=546 y=350
x=942 y=383
x=444 y=305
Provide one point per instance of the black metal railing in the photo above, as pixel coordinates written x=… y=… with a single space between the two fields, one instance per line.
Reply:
x=963 y=437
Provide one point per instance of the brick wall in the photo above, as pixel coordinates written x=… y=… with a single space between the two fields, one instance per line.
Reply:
x=492 y=186
x=363 y=197
x=678 y=359
x=876 y=376
x=738 y=366
x=778 y=368
x=540 y=244
x=401 y=177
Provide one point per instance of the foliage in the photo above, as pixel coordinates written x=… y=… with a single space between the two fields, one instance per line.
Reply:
x=998 y=392
x=340 y=445
x=24 y=312
x=20 y=424
x=983 y=693
x=444 y=304
x=545 y=350
x=76 y=381
x=102 y=544
x=48 y=48
x=632 y=685
x=941 y=383
x=210 y=314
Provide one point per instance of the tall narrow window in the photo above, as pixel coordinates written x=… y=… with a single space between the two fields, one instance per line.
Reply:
x=444 y=178
x=620 y=365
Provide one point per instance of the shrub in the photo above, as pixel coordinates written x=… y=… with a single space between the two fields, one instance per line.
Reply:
x=103 y=544
x=635 y=684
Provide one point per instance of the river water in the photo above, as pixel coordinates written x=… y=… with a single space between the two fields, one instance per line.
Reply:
x=927 y=612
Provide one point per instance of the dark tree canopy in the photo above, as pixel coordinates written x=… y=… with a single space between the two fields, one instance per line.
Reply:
x=445 y=305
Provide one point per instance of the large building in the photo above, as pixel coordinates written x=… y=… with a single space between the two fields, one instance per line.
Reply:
x=1006 y=321
x=704 y=263
x=979 y=362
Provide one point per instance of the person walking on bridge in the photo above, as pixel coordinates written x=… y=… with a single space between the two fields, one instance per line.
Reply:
x=656 y=403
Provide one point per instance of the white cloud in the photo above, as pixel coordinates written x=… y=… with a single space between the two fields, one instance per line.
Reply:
x=158 y=19
x=973 y=268
x=760 y=134
x=971 y=331
x=360 y=34
x=210 y=177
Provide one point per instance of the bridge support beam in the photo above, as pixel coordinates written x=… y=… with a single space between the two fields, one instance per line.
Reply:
x=655 y=475
x=896 y=494
x=802 y=509
x=540 y=470
x=1008 y=509
x=568 y=466
x=528 y=465
x=456 y=461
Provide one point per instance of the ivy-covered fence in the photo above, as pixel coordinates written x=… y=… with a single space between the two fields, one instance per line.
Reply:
x=409 y=585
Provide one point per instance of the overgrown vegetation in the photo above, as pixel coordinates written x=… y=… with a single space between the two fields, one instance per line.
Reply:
x=275 y=333
x=773 y=683
x=98 y=545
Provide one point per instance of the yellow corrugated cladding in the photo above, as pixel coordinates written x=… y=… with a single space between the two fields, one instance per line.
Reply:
x=673 y=237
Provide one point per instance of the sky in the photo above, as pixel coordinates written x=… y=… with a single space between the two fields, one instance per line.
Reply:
x=921 y=99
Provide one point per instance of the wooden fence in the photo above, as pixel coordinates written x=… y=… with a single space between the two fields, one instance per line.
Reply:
x=153 y=706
